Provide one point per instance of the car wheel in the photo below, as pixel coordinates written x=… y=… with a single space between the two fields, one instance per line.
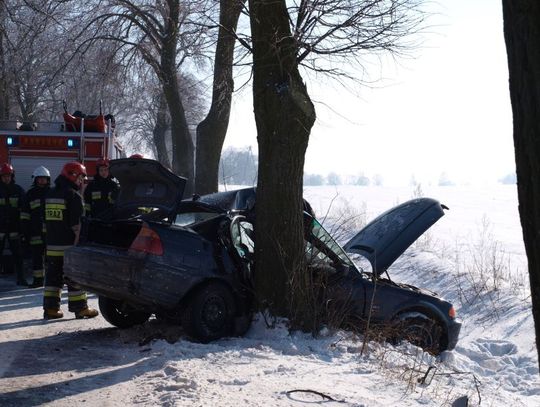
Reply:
x=422 y=331
x=121 y=314
x=209 y=313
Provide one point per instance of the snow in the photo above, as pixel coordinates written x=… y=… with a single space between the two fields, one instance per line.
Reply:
x=72 y=362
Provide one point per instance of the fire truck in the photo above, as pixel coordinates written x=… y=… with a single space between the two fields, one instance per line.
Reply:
x=51 y=144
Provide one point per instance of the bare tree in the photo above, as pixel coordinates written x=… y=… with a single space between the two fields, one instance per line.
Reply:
x=313 y=34
x=522 y=36
x=149 y=122
x=30 y=61
x=165 y=34
x=212 y=130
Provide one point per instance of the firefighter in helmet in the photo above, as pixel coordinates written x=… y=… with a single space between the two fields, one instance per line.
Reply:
x=12 y=199
x=63 y=212
x=100 y=194
x=35 y=230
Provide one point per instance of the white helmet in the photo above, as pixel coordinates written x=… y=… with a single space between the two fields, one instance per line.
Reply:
x=41 y=171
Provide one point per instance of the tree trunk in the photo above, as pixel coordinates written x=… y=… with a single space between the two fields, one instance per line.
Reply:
x=212 y=130
x=284 y=115
x=522 y=36
x=182 y=144
x=160 y=131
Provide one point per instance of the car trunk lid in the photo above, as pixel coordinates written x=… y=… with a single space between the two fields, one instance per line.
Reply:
x=147 y=183
x=386 y=237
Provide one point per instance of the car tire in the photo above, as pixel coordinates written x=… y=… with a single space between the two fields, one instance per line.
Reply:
x=121 y=314
x=421 y=330
x=209 y=313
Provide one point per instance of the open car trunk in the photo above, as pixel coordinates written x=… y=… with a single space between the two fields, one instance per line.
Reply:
x=118 y=234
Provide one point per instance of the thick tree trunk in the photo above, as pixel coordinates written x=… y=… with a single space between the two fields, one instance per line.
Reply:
x=284 y=116
x=160 y=131
x=522 y=36
x=212 y=130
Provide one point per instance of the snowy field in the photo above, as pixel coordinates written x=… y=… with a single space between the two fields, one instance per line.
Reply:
x=473 y=256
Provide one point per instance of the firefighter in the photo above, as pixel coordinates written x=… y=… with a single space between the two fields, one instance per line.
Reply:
x=35 y=230
x=63 y=212
x=11 y=202
x=101 y=192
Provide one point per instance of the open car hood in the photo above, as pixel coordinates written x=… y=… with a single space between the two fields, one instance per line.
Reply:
x=147 y=183
x=386 y=237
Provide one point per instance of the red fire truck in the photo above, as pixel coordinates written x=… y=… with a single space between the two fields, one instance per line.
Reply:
x=52 y=144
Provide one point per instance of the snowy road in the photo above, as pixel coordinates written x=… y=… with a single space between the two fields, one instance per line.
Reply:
x=62 y=362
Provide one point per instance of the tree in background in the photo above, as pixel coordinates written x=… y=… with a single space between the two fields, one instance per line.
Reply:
x=522 y=36
x=313 y=179
x=238 y=166
x=212 y=130
x=166 y=34
x=333 y=179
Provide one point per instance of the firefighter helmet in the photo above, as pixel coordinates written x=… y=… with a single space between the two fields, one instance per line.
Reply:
x=6 y=168
x=102 y=162
x=41 y=171
x=73 y=170
x=136 y=156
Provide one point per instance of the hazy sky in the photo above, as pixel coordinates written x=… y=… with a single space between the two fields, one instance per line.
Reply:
x=447 y=109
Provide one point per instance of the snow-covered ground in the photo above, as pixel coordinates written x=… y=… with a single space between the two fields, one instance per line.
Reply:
x=74 y=362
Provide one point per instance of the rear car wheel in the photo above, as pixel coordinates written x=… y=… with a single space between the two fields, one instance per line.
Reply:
x=209 y=313
x=120 y=313
x=422 y=331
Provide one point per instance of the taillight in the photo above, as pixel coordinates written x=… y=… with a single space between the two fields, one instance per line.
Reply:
x=147 y=241
x=452 y=312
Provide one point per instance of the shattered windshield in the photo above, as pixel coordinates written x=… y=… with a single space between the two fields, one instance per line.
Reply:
x=320 y=246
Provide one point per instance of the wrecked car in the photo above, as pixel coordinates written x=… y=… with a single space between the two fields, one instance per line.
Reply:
x=191 y=261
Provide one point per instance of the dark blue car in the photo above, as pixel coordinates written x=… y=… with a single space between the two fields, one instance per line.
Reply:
x=191 y=262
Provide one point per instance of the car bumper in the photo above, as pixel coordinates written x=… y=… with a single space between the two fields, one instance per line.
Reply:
x=453 y=333
x=103 y=271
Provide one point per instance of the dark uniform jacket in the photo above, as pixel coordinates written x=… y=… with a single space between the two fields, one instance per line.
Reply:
x=35 y=208
x=11 y=202
x=100 y=195
x=63 y=211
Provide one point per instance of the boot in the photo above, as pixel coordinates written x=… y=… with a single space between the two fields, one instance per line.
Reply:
x=86 y=313
x=52 y=313
x=38 y=282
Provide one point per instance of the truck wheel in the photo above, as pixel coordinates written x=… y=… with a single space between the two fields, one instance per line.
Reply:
x=209 y=313
x=120 y=313
x=422 y=331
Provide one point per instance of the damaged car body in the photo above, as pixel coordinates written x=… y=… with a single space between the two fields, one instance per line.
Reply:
x=191 y=261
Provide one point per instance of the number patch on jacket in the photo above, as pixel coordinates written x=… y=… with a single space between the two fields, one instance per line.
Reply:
x=54 y=214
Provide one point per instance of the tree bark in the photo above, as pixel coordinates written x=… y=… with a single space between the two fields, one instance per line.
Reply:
x=182 y=144
x=284 y=116
x=212 y=130
x=160 y=131
x=522 y=36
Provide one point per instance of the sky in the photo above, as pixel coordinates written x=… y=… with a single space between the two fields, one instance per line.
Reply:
x=445 y=110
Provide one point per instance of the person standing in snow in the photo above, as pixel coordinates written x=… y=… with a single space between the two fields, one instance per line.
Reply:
x=101 y=192
x=63 y=212
x=11 y=202
x=35 y=229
